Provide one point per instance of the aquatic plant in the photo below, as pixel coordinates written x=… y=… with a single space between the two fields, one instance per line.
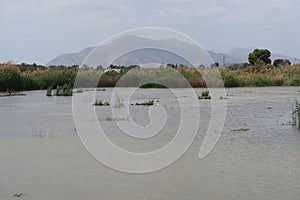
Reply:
x=101 y=89
x=100 y=103
x=49 y=91
x=240 y=130
x=147 y=103
x=19 y=195
x=296 y=114
x=65 y=90
x=114 y=119
x=205 y=95
x=79 y=90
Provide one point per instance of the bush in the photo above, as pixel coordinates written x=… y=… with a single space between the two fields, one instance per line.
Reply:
x=229 y=78
x=10 y=78
x=65 y=90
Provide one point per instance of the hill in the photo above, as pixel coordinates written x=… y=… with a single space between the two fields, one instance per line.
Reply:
x=151 y=55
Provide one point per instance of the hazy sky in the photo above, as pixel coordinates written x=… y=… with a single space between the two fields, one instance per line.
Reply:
x=39 y=30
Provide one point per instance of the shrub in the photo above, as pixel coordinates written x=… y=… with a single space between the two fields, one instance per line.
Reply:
x=205 y=95
x=10 y=78
x=229 y=78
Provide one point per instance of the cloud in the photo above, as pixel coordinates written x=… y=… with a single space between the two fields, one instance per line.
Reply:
x=210 y=12
x=78 y=23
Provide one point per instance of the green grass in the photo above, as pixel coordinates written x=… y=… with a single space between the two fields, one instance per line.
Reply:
x=147 y=103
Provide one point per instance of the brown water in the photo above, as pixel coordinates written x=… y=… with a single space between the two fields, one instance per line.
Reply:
x=41 y=154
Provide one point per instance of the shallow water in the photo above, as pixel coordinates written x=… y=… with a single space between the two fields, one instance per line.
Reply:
x=41 y=154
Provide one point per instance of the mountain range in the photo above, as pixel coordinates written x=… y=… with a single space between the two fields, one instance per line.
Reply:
x=151 y=55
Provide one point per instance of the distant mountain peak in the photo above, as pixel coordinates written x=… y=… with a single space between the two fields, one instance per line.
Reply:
x=236 y=55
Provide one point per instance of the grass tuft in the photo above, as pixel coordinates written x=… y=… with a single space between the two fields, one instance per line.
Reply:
x=240 y=130
x=19 y=195
x=100 y=103
x=296 y=114
x=147 y=103
x=205 y=95
x=49 y=91
x=65 y=90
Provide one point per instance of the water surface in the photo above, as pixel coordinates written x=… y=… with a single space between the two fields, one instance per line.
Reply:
x=41 y=154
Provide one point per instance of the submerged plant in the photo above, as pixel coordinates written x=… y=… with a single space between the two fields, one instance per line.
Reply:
x=147 y=103
x=205 y=95
x=296 y=114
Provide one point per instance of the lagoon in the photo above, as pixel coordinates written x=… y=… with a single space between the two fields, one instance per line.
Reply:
x=256 y=157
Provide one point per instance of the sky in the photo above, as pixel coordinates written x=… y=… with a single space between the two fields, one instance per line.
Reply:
x=36 y=31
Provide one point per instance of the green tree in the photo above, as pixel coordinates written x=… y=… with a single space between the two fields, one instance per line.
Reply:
x=215 y=65
x=260 y=57
x=281 y=62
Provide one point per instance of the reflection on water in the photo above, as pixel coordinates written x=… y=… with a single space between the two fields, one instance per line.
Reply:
x=257 y=156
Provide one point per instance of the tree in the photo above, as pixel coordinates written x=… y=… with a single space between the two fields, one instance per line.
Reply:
x=260 y=57
x=281 y=62
x=171 y=65
x=10 y=78
x=215 y=65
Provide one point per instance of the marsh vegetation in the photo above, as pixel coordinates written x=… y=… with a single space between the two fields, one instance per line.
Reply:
x=296 y=114
x=205 y=95
x=100 y=103
x=146 y=103
x=36 y=77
